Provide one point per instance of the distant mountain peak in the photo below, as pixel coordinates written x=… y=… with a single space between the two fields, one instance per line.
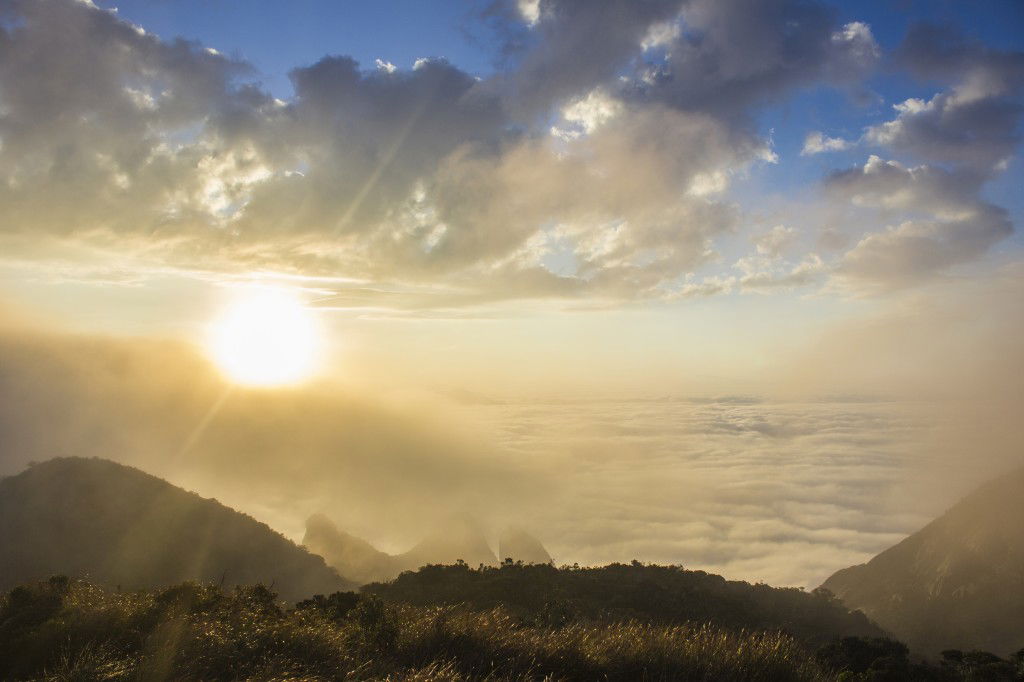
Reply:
x=517 y=544
x=458 y=538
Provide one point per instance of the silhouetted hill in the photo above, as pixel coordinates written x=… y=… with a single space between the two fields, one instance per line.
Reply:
x=956 y=583
x=460 y=539
x=662 y=595
x=120 y=526
x=518 y=545
x=357 y=558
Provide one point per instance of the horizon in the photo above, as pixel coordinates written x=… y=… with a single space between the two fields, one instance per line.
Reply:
x=729 y=285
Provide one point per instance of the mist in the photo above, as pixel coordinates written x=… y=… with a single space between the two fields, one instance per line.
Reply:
x=873 y=427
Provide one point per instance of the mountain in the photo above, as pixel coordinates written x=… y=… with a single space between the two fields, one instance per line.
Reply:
x=459 y=539
x=357 y=558
x=119 y=526
x=958 y=583
x=518 y=545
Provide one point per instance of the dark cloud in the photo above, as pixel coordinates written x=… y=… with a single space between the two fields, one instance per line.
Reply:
x=732 y=55
x=975 y=122
x=939 y=221
x=579 y=45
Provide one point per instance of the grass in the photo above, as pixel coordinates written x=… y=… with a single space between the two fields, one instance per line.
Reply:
x=66 y=630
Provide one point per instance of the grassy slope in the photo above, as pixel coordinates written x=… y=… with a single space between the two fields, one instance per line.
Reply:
x=72 y=630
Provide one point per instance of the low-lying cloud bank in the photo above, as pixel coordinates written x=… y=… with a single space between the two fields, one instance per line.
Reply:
x=786 y=488
x=737 y=487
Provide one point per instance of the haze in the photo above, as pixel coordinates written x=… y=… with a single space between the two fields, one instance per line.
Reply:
x=725 y=284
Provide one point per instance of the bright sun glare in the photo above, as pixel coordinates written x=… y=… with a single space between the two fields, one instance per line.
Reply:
x=265 y=337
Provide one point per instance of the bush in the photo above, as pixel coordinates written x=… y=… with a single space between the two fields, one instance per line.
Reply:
x=71 y=630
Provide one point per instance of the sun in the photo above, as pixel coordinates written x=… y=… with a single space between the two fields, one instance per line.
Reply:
x=265 y=337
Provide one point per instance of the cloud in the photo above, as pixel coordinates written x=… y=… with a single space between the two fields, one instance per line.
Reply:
x=785 y=488
x=754 y=490
x=816 y=143
x=763 y=274
x=975 y=121
x=967 y=126
x=939 y=221
x=429 y=178
x=667 y=480
x=773 y=242
x=737 y=54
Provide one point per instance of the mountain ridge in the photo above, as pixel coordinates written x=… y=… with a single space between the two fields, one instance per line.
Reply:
x=124 y=527
x=956 y=583
x=460 y=539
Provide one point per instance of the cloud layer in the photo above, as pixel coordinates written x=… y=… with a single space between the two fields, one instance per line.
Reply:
x=597 y=163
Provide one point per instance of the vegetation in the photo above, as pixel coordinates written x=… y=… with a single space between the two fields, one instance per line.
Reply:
x=63 y=630
x=664 y=595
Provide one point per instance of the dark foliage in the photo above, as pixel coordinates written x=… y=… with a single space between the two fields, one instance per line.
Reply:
x=665 y=595
x=333 y=607
x=62 y=630
x=71 y=630
x=857 y=659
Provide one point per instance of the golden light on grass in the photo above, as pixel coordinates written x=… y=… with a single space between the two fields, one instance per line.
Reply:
x=265 y=337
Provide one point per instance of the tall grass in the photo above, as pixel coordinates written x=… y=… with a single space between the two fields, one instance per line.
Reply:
x=494 y=645
x=70 y=630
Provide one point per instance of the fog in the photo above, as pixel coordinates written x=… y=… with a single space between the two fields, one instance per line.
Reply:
x=855 y=440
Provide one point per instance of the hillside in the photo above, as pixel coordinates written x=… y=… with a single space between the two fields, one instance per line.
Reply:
x=956 y=583
x=663 y=595
x=459 y=539
x=119 y=526
x=73 y=631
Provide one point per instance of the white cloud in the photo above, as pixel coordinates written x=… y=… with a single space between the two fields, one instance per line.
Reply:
x=974 y=122
x=816 y=143
x=661 y=34
x=776 y=240
x=530 y=10
x=173 y=149
x=585 y=115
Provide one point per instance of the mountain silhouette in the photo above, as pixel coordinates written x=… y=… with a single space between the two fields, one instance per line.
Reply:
x=119 y=526
x=357 y=558
x=518 y=545
x=958 y=583
x=458 y=539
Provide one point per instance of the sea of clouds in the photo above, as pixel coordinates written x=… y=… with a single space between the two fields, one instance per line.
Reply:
x=784 y=493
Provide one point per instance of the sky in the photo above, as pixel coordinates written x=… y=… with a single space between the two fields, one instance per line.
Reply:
x=483 y=206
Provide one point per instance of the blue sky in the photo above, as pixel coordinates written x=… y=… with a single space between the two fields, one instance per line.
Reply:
x=629 y=152
x=276 y=36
